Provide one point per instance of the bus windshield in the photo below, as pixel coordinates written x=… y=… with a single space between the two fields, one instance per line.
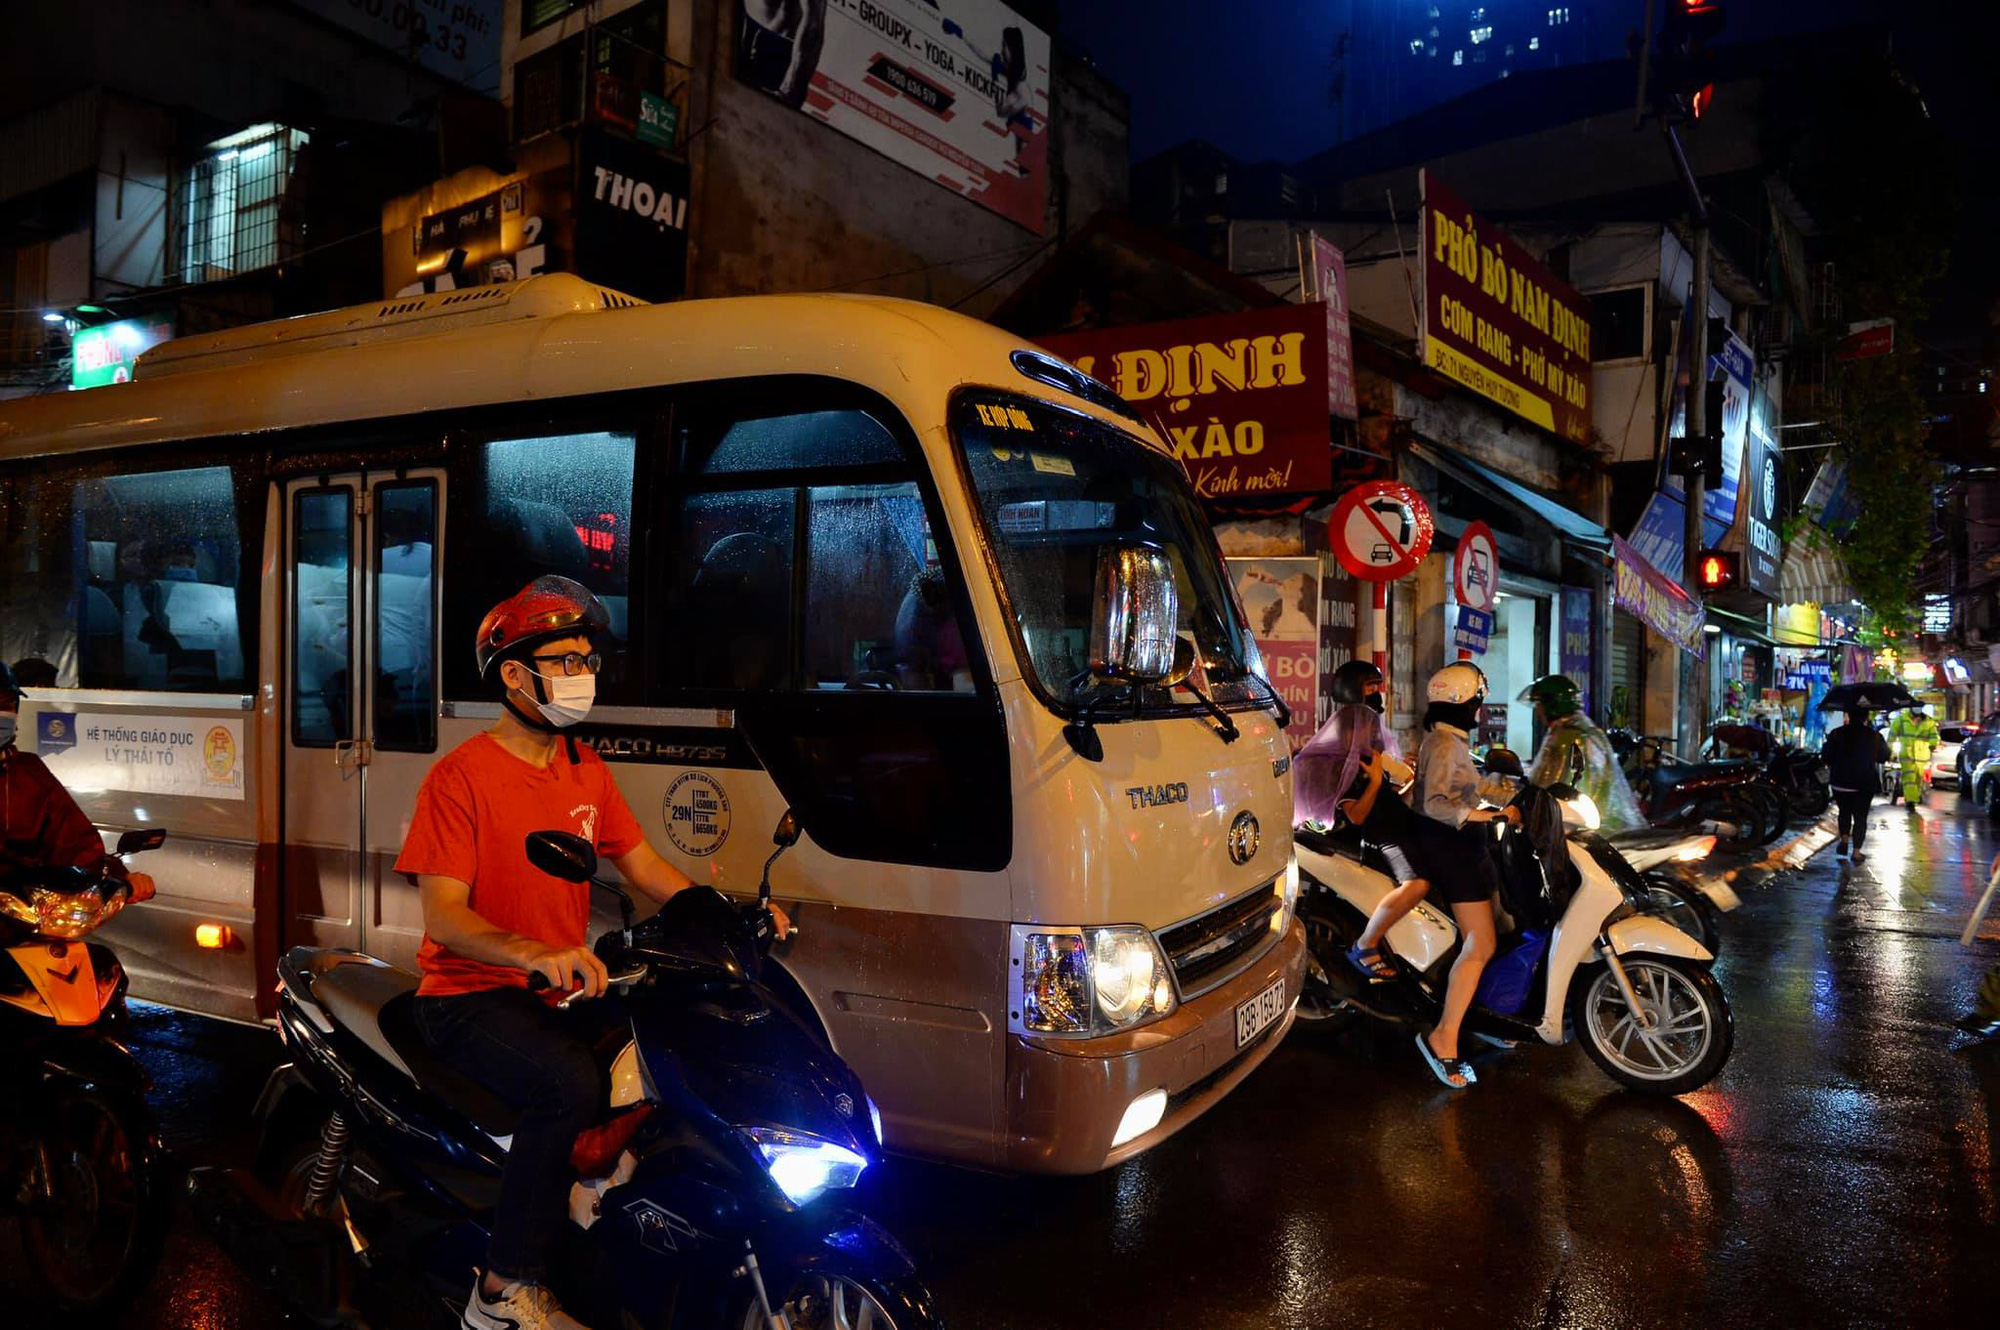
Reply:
x=1055 y=488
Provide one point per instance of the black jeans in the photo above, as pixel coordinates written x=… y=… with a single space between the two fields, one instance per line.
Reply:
x=1854 y=813
x=540 y=1060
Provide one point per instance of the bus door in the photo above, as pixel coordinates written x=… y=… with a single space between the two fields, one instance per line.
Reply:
x=361 y=561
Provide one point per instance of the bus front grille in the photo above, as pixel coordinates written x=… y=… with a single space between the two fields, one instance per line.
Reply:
x=1210 y=948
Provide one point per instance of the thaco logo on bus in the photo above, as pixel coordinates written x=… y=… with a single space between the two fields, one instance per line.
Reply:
x=1157 y=796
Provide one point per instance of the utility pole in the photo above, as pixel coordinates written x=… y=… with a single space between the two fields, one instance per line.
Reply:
x=1694 y=690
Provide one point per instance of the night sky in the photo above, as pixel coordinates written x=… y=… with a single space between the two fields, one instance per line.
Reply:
x=1253 y=76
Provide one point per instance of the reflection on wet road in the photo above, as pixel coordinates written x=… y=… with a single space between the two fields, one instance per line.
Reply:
x=1839 y=1172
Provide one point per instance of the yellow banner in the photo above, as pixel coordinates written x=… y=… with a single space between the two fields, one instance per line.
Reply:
x=1488 y=384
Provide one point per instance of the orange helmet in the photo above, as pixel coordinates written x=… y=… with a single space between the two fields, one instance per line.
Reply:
x=548 y=607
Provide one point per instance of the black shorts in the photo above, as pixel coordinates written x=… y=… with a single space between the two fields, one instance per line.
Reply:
x=1452 y=859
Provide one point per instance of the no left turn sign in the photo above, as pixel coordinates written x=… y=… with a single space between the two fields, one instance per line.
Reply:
x=1381 y=530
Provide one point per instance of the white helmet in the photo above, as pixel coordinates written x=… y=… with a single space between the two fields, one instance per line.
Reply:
x=1460 y=682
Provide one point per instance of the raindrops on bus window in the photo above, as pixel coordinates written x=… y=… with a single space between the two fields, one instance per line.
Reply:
x=880 y=611
x=794 y=442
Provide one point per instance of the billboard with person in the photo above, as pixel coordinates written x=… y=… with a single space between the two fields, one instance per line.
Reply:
x=956 y=90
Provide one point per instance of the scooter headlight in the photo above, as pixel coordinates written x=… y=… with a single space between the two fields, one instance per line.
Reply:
x=1581 y=808
x=803 y=1166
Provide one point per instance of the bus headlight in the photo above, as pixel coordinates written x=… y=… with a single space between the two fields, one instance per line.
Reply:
x=1090 y=981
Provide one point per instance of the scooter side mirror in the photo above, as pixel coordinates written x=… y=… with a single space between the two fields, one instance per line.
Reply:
x=145 y=838
x=787 y=834
x=562 y=854
x=1503 y=762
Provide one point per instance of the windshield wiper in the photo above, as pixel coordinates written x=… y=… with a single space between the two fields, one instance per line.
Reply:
x=1284 y=711
x=1225 y=728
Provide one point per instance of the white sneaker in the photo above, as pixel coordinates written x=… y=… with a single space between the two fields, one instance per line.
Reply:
x=518 y=1307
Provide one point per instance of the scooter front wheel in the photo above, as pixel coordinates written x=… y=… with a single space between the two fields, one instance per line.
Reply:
x=95 y=1212
x=826 y=1300
x=1675 y=1042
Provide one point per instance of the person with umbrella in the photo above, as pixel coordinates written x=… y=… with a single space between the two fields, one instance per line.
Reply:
x=1854 y=755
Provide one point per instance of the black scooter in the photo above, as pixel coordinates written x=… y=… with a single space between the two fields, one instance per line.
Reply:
x=709 y=1203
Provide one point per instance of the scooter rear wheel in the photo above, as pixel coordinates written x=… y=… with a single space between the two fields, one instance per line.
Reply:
x=1687 y=1034
x=1330 y=931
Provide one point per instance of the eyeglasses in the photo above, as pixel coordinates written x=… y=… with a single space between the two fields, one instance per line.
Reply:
x=574 y=663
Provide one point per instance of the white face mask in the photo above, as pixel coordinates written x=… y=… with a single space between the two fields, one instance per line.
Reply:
x=8 y=722
x=570 y=698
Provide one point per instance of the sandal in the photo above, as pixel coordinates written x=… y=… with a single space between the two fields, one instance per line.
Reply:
x=1456 y=1073
x=1372 y=962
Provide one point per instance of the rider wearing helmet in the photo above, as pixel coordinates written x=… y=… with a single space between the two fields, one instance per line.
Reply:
x=1575 y=752
x=1359 y=681
x=40 y=825
x=1449 y=786
x=491 y=919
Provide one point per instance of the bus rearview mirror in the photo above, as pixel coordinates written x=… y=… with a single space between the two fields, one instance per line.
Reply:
x=1134 y=636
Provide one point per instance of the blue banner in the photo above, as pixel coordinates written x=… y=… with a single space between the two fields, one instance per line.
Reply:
x=55 y=732
x=1475 y=629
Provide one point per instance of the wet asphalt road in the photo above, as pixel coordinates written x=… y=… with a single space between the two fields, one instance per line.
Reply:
x=1840 y=1172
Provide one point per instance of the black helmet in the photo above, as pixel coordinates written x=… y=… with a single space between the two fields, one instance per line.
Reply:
x=1350 y=681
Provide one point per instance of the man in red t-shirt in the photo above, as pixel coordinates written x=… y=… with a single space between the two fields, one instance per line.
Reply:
x=491 y=919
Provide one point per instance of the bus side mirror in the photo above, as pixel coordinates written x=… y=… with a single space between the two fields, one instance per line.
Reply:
x=562 y=854
x=1134 y=635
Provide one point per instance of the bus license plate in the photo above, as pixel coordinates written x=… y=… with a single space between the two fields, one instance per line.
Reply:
x=1253 y=1016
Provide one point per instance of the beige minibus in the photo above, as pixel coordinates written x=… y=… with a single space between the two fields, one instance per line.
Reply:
x=940 y=593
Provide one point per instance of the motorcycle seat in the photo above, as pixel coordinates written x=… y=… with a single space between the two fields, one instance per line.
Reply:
x=376 y=1003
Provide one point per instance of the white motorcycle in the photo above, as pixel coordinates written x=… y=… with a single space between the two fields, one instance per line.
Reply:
x=1586 y=960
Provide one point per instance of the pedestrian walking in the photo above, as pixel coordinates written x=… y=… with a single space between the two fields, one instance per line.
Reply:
x=1854 y=755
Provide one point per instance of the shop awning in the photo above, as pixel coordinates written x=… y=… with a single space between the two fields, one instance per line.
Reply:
x=1572 y=526
x=1742 y=626
x=1812 y=573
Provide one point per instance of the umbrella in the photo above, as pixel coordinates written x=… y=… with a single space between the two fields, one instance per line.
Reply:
x=1874 y=696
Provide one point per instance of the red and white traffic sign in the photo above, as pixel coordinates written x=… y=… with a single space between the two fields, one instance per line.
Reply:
x=1475 y=568
x=1381 y=530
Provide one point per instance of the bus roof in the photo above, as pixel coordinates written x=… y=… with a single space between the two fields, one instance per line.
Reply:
x=541 y=339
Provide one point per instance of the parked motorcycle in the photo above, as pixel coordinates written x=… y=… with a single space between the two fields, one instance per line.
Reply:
x=1668 y=862
x=81 y=1173
x=1798 y=773
x=1586 y=961
x=1676 y=794
x=705 y=1199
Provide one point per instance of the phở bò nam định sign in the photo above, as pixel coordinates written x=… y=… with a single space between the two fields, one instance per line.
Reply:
x=1497 y=321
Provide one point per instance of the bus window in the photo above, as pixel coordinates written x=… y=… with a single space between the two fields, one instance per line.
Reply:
x=405 y=648
x=551 y=504
x=322 y=681
x=735 y=550
x=36 y=584
x=878 y=610
x=793 y=443
x=156 y=561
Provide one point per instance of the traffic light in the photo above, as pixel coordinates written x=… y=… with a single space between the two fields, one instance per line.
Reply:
x=1683 y=77
x=1717 y=570
x=1687 y=454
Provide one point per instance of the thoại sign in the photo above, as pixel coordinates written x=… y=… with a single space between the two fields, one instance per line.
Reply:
x=955 y=90
x=632 y=215
x=1498 y=322
x=1646 y=594
x=1241 y=398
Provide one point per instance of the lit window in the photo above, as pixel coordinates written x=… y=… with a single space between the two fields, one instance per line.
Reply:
x=1510 y=50
x=1481 y=34
x=1457 y=58
x=232 y=200
x=1222 y=182
x=1432 y=12
x=1534 y=43
x=1433 y=32
x=1416 y=46
x=1478 y=14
